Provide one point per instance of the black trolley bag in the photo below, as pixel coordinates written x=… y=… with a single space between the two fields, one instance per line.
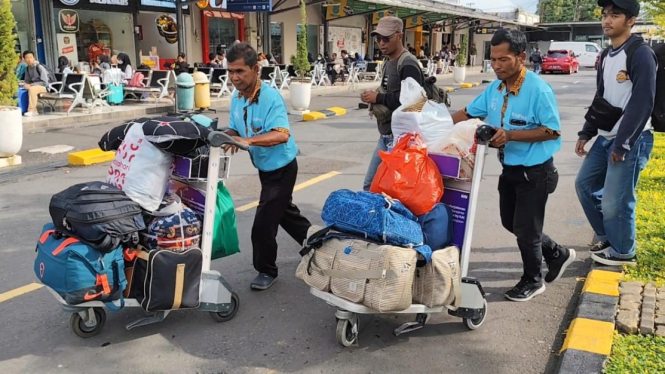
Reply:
x=163 y=279
x=98 y=214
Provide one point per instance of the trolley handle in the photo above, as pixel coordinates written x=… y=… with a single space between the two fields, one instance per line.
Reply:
x=219 y=139
x=485 y=133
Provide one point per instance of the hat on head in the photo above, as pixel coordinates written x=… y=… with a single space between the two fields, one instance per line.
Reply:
x=388 y=26
x=631 y=5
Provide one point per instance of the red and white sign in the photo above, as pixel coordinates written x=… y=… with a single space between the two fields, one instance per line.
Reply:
x=67 y=47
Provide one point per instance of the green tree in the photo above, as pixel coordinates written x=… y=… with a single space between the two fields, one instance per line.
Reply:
x=8 y=81
x=461 y=56
x=656 y=11
x=300 y=64
x=552 y=11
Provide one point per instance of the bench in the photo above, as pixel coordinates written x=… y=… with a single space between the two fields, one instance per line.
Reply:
x=158 y=86
x=70 y=88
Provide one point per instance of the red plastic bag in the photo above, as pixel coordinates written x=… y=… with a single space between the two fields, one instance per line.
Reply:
x=409 y=175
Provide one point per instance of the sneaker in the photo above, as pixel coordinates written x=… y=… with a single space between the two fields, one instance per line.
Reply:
x=559 y=264
x=600 y=247
x=30 y=114
x=263 y=281
x=525 y=291
x=607 y=259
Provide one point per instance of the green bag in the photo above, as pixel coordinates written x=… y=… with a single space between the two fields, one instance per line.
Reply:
x=225 y=235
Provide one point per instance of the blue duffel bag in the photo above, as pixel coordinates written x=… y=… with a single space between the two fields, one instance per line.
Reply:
x=375 y=217
x=437 y=226
x=77 y=272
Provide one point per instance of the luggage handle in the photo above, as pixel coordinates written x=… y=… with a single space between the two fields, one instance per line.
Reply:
x=359 y=274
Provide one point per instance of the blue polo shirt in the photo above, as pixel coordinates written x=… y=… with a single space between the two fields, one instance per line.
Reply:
x=529 y=105
x=265 y=111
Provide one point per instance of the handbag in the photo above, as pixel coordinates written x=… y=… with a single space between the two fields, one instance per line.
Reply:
x=602 y=114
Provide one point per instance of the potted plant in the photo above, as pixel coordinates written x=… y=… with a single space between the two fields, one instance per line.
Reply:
x=459 y=71
x=301 y=85
x=11 y=126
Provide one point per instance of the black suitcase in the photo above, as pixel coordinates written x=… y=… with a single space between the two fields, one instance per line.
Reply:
x=98 y=214
x=167 y=280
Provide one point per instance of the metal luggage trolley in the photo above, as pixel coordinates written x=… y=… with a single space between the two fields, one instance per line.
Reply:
x=215 y=294
x=462 y=197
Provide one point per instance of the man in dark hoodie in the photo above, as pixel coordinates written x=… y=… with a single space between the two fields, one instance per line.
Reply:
x=36 y=81
x=612 y=166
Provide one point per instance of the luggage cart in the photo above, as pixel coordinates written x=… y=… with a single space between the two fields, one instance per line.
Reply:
x=473 y=306
x=215 y=294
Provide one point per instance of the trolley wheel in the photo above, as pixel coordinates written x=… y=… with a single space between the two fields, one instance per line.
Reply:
x=227 y=316
x=345 y=333
x=474 y=323
x=79 y=327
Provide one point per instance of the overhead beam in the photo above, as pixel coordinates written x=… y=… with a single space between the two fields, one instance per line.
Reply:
x=297 y=7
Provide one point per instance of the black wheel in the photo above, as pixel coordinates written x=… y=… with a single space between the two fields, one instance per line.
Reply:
x=474 y=323
x=79 y=327
x=345 y=333
x=227 y=316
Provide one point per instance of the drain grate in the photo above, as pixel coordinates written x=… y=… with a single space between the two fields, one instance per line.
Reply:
x=25 y=171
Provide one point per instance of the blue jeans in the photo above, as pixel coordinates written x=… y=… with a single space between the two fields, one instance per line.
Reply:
x=384 y=142
x=536 y=67
x=607 y=192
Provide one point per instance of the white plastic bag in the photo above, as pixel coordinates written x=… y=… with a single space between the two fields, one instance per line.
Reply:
x=433 y=123
x=141 y=169
x=461 y=142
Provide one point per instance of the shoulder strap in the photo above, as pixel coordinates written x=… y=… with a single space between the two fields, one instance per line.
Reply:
x=630 y=51
x=601 y=81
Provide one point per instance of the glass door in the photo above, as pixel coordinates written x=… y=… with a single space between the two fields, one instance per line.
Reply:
x=221 y=31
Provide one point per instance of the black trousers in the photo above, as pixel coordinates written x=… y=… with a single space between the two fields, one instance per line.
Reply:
x=276 y=209
x=523 y=193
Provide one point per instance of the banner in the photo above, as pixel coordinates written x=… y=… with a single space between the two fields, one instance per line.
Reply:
x=345 y=38
x=347 y=8
x=416 y=21
x=394 y=12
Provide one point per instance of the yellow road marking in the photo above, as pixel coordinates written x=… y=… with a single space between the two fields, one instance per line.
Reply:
x=298 y=187
x=19 y=291
x=590 y=336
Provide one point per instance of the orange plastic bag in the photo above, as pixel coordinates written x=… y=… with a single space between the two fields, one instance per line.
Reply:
x=409 y=175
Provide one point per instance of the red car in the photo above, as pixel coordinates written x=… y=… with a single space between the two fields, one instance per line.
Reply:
x=560 y=61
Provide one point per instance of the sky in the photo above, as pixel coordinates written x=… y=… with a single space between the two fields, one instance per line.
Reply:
x=503 y=5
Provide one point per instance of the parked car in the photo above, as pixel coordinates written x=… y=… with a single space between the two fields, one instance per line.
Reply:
x=586 y=52
x=560 y=61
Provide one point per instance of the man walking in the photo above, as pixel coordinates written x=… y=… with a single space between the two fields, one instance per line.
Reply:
x=473 y=52
x=536 y=59
x=259 y=119
x=523 y=109
x=389 y=36
x=607 y=179
x=36 y=80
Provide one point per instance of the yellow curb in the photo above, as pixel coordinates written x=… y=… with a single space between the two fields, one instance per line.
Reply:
x=466 y=85
x=10 y=161
x=590 y=336
x=313 y=116
x=90 y=157
x=602 y=282
x=338 y=111
x=449 y=89
x=476 y=84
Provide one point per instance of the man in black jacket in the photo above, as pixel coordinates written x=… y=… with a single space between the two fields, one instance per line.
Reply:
x=389 y=37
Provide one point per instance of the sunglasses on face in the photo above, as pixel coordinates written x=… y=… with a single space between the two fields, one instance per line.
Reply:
x=384 y=39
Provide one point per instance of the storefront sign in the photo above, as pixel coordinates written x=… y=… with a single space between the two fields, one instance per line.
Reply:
x=69 y=2
x=394 y=12
x=348 y=8
x=67 y=47
x=168 y=28
x=487 y=30
x=241 y=6
x=218 y=4
x=68 y=20
x=417 y=21
x=110 y=2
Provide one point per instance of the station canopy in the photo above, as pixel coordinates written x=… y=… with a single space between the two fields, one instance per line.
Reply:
x=415 y=13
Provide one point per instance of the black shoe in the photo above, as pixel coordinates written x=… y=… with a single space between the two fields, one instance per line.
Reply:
x=525 y=291
x=607 y=259
x=600 y=247
x=263 y=281
x=556 y=268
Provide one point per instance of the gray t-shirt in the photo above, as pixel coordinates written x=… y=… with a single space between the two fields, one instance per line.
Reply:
x=392 y=84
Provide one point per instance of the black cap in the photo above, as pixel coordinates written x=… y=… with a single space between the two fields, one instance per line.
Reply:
x=632 y=6
x=182 y=54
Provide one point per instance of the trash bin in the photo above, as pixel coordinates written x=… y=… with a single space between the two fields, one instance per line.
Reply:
x=202 y=91
x=185 y=92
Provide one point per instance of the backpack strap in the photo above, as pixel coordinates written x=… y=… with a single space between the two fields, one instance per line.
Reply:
x=630 y=51
x=601 y=81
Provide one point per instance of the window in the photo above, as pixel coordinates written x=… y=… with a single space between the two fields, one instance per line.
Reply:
x=557 y=54
x=591 y=48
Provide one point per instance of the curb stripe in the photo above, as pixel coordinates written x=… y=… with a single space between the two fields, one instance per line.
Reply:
x=602 y=282
x=325 y=113
x=590 y=336
x=90 y=157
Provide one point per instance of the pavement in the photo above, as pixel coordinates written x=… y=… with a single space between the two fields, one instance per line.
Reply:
x=285 y=329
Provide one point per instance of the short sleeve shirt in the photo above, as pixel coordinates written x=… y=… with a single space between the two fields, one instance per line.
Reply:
x=263 y=112
x=529 y=105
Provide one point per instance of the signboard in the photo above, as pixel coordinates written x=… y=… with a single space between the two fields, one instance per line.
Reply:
x=345 y=38
x=68 y=20
x=67 y=47
x=202 y=4
x=160 y=3
x=486 y=30
x=417 y=21
x=218 y=4
x=241 y=6
x=94 y=3
x=347 y=8
x=394 y=12
x=458 y=201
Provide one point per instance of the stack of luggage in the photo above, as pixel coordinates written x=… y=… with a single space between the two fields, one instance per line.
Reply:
x=390 y=247
x=132 y=236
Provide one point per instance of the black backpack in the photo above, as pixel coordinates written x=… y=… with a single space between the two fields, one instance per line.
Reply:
x=98 y=214
x=49 y=72
x=433 y=92
x=658 y=114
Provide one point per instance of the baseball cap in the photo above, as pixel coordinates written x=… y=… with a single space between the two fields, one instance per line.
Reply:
x=388 y=26
x=630 y=5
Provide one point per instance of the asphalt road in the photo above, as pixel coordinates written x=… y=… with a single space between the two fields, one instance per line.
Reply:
x=285 y=329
